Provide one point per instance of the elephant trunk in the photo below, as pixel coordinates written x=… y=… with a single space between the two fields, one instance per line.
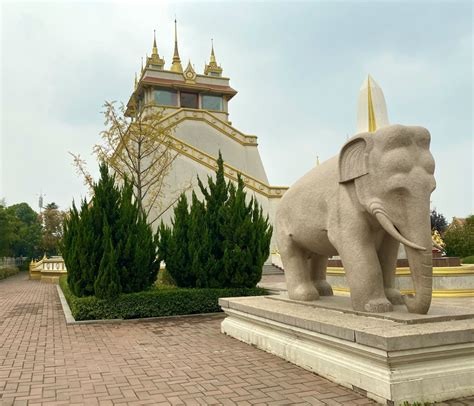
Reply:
x=421 y=268
x=419 y=257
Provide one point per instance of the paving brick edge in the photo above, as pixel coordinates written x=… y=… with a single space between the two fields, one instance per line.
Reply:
x=71 y=320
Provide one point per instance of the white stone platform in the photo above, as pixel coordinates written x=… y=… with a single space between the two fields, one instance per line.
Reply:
x=390 y=357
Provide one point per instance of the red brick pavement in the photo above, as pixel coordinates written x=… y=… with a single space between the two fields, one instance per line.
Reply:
x=185 y=361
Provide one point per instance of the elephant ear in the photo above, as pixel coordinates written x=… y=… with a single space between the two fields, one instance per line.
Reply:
x=353 y=159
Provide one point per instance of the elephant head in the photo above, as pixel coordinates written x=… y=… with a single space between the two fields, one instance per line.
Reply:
x=392 y=170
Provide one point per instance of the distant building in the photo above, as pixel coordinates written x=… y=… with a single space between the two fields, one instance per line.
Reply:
x=196 y=107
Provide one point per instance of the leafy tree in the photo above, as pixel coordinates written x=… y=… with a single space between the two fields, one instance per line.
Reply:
x=438 y=222
x=21 y=231
x=52 y=219
x=222 y=241
x=108 y=246
x=459 y=238
x=7 y=234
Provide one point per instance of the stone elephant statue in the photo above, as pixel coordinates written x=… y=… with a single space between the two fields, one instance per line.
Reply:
x=361 y=205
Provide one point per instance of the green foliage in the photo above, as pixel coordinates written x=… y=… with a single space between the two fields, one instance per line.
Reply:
x=6 y=272
x=438 y=222
x=164 y=279
x=220 y=242
x=107 y=246
x=107 y=284
x=21 y=231
x=52 y=219
x=152 y=303
x=468 y=260
x=459 y=239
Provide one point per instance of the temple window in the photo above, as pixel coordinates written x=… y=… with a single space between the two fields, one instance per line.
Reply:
x=189 y=100
x=165 y=97
x=211 y=102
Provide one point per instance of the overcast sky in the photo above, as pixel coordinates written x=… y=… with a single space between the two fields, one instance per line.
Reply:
x=297 y=66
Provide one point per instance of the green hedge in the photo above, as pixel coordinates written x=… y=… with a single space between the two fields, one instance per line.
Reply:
x=156 y=302
x=6 y=272
x=468 y=260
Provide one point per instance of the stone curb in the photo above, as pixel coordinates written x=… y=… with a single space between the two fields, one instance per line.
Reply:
x=71 y=320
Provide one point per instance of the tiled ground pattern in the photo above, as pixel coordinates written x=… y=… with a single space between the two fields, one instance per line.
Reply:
x=173 y=361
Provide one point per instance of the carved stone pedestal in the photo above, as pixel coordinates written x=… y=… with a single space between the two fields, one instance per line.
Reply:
x=390 y=357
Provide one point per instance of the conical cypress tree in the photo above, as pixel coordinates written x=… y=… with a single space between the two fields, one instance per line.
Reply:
x=178 y=262
x=220 y=242
x=215 y=199
x=107 y=284
x=198 y=242
x=131 y=242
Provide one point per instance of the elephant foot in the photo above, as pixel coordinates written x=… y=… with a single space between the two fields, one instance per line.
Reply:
x=324 y=288
x=381 y=305
x=394 y=296
x=303 y=292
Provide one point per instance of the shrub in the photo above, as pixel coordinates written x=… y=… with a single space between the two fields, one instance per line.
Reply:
x=156 y=302
x=6 y=272
x=459 y=239
x=468 y=260
x=220 y=242
x=108 y=247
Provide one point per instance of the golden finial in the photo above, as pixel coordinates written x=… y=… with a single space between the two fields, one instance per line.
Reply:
x=155 y=48
x=176 y=65
x=371 y=112
x=317 y=160
x=155 y=59
x=136 y=81
x=213 y=57
x=142 y=65
x=212 y=68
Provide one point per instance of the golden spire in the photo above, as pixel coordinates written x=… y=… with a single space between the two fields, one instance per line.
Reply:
x=136 y=81
x=212 y=68
x=176 y=65
x=213 y=57
x=371 y=112
x=155 y=48
x=142 y=66
x=155 y=57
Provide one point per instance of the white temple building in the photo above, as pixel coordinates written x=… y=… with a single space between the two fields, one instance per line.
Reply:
x=196 y=108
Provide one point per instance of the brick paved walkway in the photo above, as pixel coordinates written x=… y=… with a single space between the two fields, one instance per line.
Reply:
x=173 y=361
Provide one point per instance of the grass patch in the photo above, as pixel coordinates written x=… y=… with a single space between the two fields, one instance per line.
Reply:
x=157 y=302
x=6 y=272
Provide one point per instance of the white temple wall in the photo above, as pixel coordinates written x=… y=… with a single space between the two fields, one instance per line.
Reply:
x=207 y=139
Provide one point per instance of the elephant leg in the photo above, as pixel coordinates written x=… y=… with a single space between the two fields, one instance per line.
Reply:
x=388 y=253
x=364 y=274
x=297 y=271
x=318 y=265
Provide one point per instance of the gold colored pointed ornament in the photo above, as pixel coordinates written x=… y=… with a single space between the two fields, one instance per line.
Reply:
x=212 y=68
x=136 y=81
x=189 y=73
x=371 y=112
x=176 y=64
x=155 y=59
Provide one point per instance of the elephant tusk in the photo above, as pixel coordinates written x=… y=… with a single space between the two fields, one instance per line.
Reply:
x=388 y=226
